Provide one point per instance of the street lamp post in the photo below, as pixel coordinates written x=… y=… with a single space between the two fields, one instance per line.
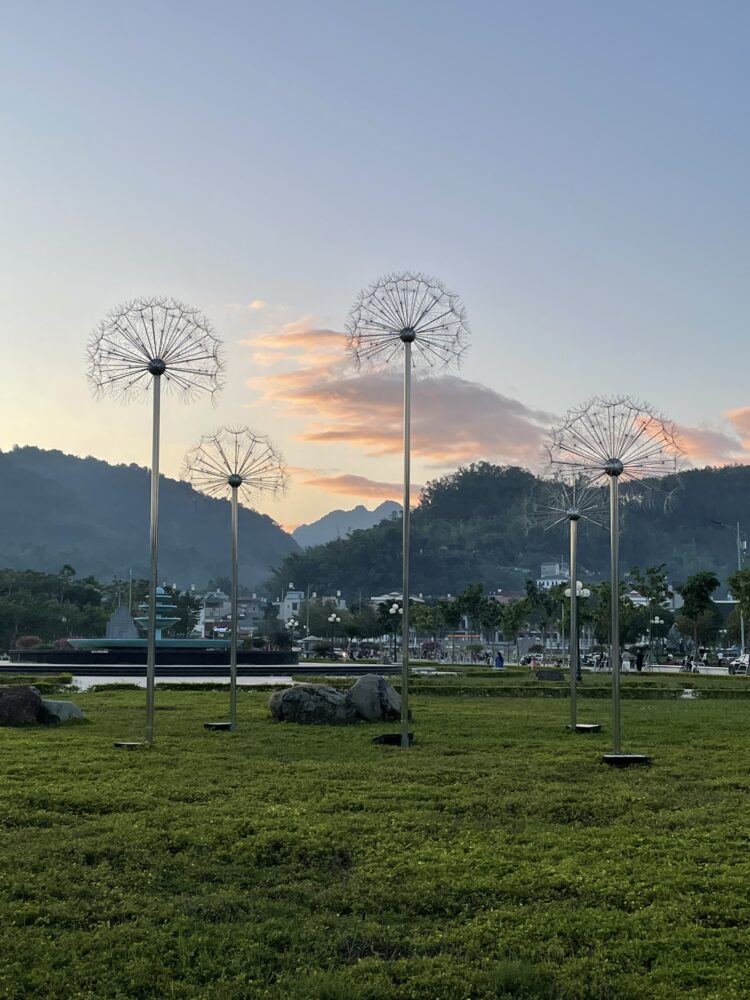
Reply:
x=292 y=624
x=394 y=610
x=656 y=620
x=741 y=548
x=575 y=659
x=333 y=619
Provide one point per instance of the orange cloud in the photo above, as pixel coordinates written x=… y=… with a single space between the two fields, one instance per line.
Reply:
x=359 y=486
x=704 y=446
x=740 y=422
x=453 y=420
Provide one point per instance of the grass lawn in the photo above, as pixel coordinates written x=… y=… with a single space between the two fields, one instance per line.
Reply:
x=496 y=859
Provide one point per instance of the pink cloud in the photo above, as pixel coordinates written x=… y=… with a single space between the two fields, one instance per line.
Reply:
x=454 y=420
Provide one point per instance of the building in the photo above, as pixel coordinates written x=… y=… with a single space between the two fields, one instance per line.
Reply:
x=552 y=574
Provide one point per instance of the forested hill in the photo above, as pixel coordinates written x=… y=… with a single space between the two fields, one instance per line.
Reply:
x=479 y=525
x=57 y=509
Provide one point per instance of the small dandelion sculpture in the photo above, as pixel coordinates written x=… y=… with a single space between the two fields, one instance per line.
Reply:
x=415 y=315
x=235 y=463
x=137 y=347
x=616 y=440
x=571 y=501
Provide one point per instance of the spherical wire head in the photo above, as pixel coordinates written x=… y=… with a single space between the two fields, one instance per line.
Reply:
x=155 y=338
x=568 y=499
x=617 y=437
x=407 y=308
x=235 y=458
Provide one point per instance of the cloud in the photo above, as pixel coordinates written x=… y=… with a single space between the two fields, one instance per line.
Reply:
x=707 y=446
x=454 y=420
x=357 y=486
x=257 y=304
x=740 y=422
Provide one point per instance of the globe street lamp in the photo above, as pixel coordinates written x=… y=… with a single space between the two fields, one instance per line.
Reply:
x=334 y=620
x=292 y=624
x=656 y=620
x=393 y=611
x=741 y=549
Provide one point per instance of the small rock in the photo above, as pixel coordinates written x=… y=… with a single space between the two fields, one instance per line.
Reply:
x=20 y=705
x=312 y=705
x=549 y=674
x=61 y=711
x=374 y=699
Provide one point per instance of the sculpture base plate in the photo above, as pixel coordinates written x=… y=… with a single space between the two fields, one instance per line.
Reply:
x=125 y=745
x=585 y=727
x=392 y=739
x=625 y=759
x=222 y=726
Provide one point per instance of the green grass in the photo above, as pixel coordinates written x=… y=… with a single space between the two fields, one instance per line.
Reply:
x=496 y=859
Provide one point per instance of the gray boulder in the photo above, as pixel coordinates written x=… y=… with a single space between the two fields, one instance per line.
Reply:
x=20 y=705
x=61 y=711
x=374 y=699
x=312 y=705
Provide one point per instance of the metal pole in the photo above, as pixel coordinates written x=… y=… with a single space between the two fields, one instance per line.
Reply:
x=151 y=641
x=614 y=639
x=562 y=633
x=235 y=619
x=405 y=563
x=742 y=616
x=573 y=642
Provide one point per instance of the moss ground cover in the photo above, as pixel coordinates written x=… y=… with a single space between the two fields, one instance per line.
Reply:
x=498 y=858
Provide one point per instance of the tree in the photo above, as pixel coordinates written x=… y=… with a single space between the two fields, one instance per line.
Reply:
x=696 y=595
x=513 y=618
x=490 y=616
x=450 y=612
x=739 y=584
x=470 y=601
x=652 y=584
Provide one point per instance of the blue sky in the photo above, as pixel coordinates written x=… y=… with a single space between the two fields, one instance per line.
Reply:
x=578 y=172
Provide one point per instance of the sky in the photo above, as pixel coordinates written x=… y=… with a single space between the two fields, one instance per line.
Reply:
x=577 y=172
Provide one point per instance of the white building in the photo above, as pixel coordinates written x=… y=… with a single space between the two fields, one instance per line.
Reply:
x=553 y=574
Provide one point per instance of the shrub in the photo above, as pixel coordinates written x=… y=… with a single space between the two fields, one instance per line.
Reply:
x=28 y=641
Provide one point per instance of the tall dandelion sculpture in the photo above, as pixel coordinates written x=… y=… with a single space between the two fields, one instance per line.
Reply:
x=237 y=463
x=570 y=501
x=418 y=317
x=139 y=346
x=616 y=440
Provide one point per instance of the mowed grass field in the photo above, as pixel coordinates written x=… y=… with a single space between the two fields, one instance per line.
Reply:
x=498 y=858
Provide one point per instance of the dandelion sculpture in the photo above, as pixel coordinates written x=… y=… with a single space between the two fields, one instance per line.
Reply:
x=617 y=440
x=417 y=316
x=572 y=501
x=137 y=347
x=234 y=463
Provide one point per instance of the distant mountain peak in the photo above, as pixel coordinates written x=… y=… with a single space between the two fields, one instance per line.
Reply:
x=341 y=523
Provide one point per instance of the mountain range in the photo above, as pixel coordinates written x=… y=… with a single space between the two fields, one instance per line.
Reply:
x=340 y=523
x=483 y=524
x=57 y=509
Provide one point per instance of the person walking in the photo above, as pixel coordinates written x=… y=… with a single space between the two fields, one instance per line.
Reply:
x=499 y=661
x=639 y=660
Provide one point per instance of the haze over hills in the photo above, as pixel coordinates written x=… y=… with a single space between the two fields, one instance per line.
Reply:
x=57 y=509
x=340 y=523
x=477 y=525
